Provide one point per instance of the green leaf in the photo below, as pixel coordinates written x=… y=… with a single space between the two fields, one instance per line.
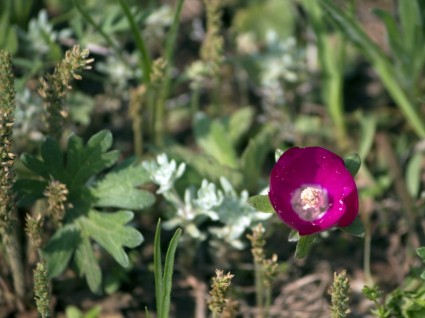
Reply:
x=207 y=166
x=53 y=159
x=88 y=266
x=91 y=159
x=352 y=163
x=59 y=249
x=35 y=165
x=411 y=22
x=239 y=123
x=157 y=261
x=356 y=228
x=212 y=137
x=303 y=246
x=413 y=174
x=109 y=230
x=117 y=189
x=294 y=236
x=261 y=203
x=421 y=252
x=29 y=190
x=168 y=274
x=254 y=155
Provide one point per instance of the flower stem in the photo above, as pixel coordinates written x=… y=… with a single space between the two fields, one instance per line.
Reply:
x=259 y=288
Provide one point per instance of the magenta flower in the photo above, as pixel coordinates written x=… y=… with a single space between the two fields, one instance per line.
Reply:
x=312 y=191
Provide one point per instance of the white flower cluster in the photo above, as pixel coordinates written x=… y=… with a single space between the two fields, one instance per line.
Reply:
x=231 y=213
x=164 y=172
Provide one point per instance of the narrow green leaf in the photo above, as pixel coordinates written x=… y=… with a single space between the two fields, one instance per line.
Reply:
x=352 y=163
x=303 y=246
x=88 y=266
x=157 y=261
x=168 y=274
x=261 y=203
x=367 y=132
x=59 y=249
x=109 y=230
x=356 y=228
x=411 y=20
x=413 y=174
x=144 y=56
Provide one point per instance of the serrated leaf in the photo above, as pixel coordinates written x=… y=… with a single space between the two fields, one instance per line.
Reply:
x=29 y=190
x=254 y=155
x=212 y=137
x=352 y=163
x=356 y=228
x=261 y=203
x=88 y=266
x=35 y=165
x=59 y=249
x=303 y=246
x=109 y=230
x=74 y=150
x=117 y=189
x=53 y=159
x=102 y=139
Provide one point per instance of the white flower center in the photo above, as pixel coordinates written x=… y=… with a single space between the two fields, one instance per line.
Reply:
x=310 y=202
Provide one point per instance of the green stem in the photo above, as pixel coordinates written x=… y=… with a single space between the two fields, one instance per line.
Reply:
x=99 y=29
x=268 y=302
x=259 y=288
x=144 y=57
x=366 y=253
x=388 y=78
x=194 y=101
x=164 y=90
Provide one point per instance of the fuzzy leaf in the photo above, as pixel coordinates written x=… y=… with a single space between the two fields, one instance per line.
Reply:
x=117 y=189
x=261 y=203
x=35 y=164
x=59 y=249
x=88 y=266
x=213 y=138
x=109 y=230
x=352 y=163
x=303 y=246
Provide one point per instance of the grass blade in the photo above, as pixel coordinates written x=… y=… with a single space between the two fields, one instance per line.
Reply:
x=157 y=261
x=144 y=57
x=168 y=274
